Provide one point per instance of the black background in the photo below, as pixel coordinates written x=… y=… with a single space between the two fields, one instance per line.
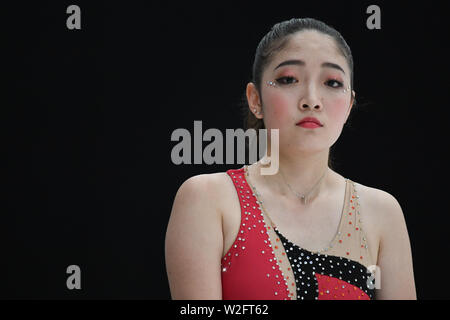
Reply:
x=89 y=115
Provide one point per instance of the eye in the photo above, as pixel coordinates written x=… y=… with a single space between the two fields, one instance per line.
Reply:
x=335 y=84
x=286 y=80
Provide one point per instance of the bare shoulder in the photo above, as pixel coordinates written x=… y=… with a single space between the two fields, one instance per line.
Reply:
x=380 y=203
x=394 y=256
x=206 y=187
x=380 y=207
x=207 y=192
x=381 y=214
x=195 y=230
x=203 y=182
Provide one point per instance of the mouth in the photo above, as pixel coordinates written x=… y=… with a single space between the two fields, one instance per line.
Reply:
x=309 y=122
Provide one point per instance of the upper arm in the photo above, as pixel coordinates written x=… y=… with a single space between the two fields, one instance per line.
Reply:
x=194 y=241
x=394 y=257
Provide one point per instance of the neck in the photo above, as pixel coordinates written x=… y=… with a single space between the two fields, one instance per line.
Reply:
x=304 y=174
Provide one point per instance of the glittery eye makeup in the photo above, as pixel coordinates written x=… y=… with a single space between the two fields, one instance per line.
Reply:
x=335 y=83
x=286 y=81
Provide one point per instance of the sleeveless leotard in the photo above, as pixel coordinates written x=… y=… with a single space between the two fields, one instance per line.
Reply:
x=264 y=265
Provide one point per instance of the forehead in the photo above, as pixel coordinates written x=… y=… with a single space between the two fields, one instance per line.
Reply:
x=311 y=46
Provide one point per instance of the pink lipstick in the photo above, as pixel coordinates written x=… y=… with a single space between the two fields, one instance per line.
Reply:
x=310 y=123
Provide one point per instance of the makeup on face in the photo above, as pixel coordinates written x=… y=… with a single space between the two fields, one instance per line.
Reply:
x=290 y=74
x=309 y=123
x=289 y=81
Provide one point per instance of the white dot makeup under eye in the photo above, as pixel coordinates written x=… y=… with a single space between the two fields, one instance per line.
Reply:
x=275 y=85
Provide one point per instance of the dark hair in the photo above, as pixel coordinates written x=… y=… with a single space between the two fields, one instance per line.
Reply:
x=277 y=39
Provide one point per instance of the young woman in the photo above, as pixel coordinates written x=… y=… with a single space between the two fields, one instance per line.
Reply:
x=305 y=232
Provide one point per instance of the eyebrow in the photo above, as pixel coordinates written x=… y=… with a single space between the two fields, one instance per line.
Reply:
x=302 y=63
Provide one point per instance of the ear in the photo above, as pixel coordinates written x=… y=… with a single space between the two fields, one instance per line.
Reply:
x=254 y=101
x=352 y=101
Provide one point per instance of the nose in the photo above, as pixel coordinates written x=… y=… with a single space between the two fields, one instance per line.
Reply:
x=306 y=106
x=310 y=100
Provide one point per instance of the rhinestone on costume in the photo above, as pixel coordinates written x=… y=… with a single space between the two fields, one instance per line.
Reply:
x=307 y=279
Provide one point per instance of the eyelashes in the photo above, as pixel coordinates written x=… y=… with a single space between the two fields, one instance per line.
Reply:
x=338 y=83
x=284 y=81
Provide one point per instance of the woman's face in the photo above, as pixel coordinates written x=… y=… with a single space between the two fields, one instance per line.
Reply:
x=311 y=86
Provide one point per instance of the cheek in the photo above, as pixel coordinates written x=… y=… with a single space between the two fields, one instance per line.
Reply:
x=337 y=110
x=277 y=109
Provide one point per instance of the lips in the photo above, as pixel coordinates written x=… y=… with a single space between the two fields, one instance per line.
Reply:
x=309 y=125
x=309 y=122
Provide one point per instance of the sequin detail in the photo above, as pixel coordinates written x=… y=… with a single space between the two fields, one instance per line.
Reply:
x=253 y=272
x=263 y=264
x=339 y=272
